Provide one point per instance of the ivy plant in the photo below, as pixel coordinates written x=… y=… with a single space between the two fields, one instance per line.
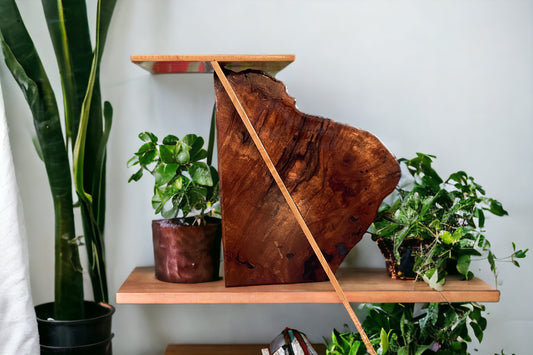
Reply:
x=448 y=216
x=414 y=328
x=346 y=343
x=184 y=183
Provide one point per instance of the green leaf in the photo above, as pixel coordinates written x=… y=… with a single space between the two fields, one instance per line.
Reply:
x=431 y=277
x=182 y=153
x=384 y=341
x=167 y=152
x=148 y=137
x=404 y=350
x=521 y=253
x=148 y=156
x=420 y=349
x=463 y=263
x=478 y=213
x=163 y=173
x=201 y=174
x=496 y=208
x=133 y=161
x=478 y=332
x=24 y=63
x=170 y=140
x=136 y=176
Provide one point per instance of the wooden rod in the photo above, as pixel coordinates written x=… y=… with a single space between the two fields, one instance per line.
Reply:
x=292 y=205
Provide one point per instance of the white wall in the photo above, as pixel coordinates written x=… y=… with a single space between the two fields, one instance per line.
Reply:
x=448 y=77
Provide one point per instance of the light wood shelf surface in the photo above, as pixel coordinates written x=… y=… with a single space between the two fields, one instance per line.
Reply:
x=359 y=285
x=201 y=63
x=244 y=349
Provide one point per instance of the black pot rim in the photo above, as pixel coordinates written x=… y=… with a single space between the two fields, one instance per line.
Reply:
x=48 y=347
x=110 y=308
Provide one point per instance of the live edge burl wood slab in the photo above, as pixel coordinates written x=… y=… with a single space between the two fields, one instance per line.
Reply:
x=337 y=175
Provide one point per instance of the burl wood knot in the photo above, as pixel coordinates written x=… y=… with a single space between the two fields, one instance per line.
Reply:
x=337 y=175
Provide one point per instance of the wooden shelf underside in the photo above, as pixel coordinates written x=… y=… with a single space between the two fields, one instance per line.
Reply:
x=359 y=285
x=244 y=349
x=201 y=63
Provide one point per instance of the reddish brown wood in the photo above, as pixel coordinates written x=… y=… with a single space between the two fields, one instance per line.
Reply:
x=337 y=175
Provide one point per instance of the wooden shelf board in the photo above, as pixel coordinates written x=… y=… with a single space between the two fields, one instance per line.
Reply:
x=201 y=63
x=226 y=349
x=359 y=285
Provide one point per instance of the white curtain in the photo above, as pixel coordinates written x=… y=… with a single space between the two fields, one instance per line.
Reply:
x=18 y=326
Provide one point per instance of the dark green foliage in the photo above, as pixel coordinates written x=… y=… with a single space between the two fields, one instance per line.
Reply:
x=415 y=329
x=183 y=181
x=448 y=215
x=87 y=129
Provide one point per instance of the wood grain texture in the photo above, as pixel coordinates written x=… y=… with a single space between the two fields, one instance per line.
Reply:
x=200 y=63
x=336 y=174
x=225 y=349
x=359 y=285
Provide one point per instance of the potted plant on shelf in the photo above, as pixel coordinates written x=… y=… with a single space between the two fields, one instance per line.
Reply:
x=186 y=193
x=414 y=329
x=433 y=227
x=63 y=324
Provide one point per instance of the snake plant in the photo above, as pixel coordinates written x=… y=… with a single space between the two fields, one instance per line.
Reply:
x=86 y=129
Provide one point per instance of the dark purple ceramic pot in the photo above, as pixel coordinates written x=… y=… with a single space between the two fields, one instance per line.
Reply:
x=186 y=253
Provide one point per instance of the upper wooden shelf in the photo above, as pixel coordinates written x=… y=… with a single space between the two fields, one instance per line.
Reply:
x=201 y=63
x=359 y=285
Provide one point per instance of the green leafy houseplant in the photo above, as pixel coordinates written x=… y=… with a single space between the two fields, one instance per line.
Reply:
x=446 y=216
x=416 y=329
x=186 y=192
x=183 y=181
x=87 y=127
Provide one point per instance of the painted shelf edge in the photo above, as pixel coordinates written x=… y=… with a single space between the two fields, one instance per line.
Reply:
x=201 y=63
x=359 y=285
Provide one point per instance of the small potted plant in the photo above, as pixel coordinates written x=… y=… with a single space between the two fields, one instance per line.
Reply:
x=432 y=227
x=186 y=192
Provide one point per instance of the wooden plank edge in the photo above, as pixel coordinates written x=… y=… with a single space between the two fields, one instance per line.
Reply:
x=310 y=297
x=136 y=58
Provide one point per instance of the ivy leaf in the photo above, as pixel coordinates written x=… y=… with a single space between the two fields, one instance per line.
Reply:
x=478 y=213
x=478 y=332
x=431 y=277
x=463 y=263
x=496 y=208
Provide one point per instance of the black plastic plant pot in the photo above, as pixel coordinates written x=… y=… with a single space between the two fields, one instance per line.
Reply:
x=91 y=335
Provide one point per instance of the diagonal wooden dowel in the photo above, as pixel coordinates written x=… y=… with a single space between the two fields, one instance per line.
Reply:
x=292 y=205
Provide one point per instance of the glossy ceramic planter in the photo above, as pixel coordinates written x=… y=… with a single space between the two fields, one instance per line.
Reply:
x=185 y=253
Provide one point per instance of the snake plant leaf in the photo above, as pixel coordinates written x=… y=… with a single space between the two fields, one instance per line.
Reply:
x=23 y=61
x=69 y=32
